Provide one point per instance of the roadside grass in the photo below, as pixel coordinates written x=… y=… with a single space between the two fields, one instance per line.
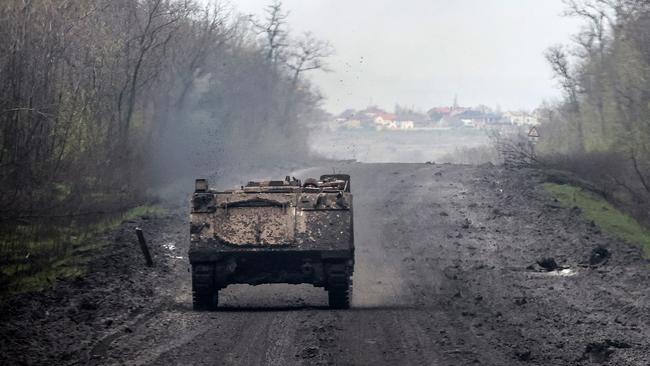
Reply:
x=602 y=213
x=32 y=257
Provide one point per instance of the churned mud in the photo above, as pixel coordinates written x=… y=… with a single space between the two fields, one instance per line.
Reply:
x=455 y=265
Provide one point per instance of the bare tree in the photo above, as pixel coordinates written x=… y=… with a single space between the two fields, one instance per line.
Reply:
x=91 y=88
x=558 y=59
x=273 y=29
x=157 y=21
x=606 y=92
x=306 y=54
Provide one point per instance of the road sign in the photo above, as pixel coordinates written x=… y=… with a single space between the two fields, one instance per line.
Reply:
x=533 y=134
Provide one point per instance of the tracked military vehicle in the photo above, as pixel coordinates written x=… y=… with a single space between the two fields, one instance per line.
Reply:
x=283 y=231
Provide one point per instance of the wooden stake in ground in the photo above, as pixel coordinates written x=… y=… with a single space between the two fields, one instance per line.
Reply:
x=144 y=247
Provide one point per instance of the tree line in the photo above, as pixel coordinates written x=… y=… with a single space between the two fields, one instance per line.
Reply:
x=103 y=98
x=601 y=128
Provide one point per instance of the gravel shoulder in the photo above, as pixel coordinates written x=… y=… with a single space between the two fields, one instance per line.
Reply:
x=445 y=274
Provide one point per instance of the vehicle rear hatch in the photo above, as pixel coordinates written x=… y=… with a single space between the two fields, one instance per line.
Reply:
x=260 y=219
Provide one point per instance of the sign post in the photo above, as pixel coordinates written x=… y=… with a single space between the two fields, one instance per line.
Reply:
x=533 y=137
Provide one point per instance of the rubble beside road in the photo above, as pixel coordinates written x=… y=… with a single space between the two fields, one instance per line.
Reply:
x=575 y=285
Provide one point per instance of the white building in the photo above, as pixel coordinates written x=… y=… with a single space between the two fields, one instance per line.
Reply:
x=521 y=118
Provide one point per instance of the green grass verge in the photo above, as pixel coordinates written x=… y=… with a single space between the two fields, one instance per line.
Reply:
x=602 y=213
x=34 y=257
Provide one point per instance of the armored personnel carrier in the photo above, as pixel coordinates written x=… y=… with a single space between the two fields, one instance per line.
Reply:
x=283 y=231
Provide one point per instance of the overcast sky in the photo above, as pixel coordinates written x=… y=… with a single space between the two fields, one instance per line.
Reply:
x=421 y=53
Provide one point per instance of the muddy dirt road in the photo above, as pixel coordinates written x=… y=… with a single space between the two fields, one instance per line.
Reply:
x=445 y=274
